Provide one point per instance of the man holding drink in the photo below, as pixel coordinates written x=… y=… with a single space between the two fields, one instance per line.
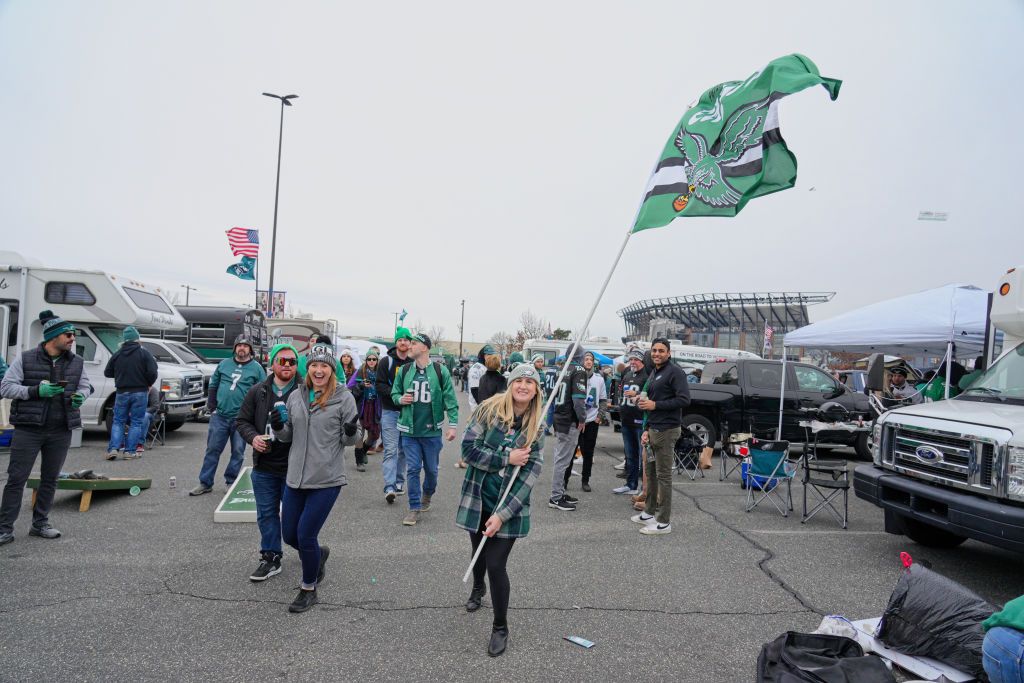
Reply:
x=269 y=456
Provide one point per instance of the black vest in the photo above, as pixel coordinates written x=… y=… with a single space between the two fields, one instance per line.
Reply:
x=36 y=366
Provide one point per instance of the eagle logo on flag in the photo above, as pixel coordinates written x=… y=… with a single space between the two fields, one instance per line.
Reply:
x=707 y=167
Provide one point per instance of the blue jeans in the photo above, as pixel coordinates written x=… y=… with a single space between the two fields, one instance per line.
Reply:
x=129 y=408
x=268 y=489
x=422 y=453
x=221 y=429
x=303 y=513
x=1002 y=653
x=392 y=465
x=631 y=444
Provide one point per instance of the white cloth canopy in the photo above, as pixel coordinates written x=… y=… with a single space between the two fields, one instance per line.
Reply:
x=916 y=324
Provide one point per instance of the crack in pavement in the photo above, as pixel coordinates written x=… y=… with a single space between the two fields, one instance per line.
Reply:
x=762 y=564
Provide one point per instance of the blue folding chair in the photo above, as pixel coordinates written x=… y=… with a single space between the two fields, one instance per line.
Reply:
x=769 y=469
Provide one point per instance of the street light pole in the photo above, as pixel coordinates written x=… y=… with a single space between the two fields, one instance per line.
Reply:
x=277 y=189
x=187 y=291
x=462 y=324
x=395 y=313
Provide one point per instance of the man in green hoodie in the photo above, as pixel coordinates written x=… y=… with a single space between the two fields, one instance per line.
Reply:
x=426 y=394
x=230 y=382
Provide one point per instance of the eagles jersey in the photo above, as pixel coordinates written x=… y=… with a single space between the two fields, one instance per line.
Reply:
x=571 y=397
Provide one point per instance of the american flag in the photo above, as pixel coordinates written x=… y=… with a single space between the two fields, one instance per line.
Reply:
x=244 y=241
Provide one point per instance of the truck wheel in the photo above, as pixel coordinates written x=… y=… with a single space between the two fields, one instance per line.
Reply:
x=930 y=536
x=702 y=427
x=863 y=446
x=171 y=426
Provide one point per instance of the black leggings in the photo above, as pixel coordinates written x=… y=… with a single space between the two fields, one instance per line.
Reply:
x=492 y=560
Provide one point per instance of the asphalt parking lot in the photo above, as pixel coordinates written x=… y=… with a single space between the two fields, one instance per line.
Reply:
x=150 y=588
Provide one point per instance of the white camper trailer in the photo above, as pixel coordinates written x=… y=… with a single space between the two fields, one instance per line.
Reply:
x=100 y=306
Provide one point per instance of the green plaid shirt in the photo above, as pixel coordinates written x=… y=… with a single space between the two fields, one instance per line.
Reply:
x=485 y=450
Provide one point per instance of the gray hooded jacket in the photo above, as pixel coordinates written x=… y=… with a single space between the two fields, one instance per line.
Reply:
x=316 y=459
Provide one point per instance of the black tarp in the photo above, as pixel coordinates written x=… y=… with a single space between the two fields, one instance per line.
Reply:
x=794 y=657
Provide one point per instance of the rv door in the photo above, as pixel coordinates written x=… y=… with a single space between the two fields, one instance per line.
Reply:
x=5 y=331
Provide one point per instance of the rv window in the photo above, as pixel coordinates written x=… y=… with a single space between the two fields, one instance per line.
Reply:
x=207 y=334
x=148 y=301
x=84 y=346
x=68 y=293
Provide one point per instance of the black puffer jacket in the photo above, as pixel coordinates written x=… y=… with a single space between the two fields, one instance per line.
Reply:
x=252 y=422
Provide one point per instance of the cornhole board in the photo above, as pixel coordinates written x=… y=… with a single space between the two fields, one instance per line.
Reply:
x=239 y=504
x=87 y=486
x=923 y=667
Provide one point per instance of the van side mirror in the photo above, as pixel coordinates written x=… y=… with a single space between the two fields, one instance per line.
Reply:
x=874 y=380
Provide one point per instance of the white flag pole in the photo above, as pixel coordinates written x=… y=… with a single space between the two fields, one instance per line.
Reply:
x=561 y=375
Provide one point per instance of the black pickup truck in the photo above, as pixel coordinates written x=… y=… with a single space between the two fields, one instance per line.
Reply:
x=743 y=396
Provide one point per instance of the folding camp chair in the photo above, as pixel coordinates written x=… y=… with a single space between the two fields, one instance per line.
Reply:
x=769 y=469
x=687 y=454
x=827 y=479
x=158 y=427
x=733 y=454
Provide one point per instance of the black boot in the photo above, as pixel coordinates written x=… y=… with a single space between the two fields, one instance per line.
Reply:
x=476 y=598
x=303 y=601
x=499 y=641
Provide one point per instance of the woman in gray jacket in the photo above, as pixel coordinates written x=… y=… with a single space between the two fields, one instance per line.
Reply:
x=319 y=421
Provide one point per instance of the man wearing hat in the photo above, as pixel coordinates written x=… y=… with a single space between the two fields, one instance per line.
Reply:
x=901 y=390
x=392 y=463
x=633 y=380
x=230 y=383
x=428 y=401
x=134 y=371
x=47 y=385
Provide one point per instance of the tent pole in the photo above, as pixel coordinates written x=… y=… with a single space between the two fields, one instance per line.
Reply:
x=782 y=394
x=949 y=366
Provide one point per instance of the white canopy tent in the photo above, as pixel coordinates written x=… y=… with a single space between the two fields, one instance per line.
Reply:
x=948 y=321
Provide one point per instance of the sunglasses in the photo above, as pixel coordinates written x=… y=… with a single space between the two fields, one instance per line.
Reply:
x=286 y=361
x=69 y=335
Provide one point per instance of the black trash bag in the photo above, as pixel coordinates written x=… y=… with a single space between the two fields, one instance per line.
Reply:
x=930 y=615
x=794 y=657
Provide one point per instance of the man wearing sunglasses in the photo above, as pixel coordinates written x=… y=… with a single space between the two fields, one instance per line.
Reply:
x=269 y=456
x=48 y=385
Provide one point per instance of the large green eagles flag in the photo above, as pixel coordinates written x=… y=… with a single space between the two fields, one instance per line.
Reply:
x=727 y=149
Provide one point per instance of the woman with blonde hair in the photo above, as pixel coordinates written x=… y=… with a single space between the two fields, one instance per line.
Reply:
x=319 y=420
x=505 y=432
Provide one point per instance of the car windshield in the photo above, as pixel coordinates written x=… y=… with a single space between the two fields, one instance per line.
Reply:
x=186 y=354
x=1003 y=381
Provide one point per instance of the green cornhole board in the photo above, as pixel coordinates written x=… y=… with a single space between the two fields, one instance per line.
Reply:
x=239 y=505
x=87 y=486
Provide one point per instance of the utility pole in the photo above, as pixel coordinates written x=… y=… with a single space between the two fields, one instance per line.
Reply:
x=277 y=189
x=187 y=291
x=395 y=313
x=462 y=324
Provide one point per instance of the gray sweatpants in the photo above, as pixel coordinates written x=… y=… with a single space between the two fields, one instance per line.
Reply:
x=565 y=448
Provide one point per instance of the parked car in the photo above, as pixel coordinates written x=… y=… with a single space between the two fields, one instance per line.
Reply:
x=181 y=354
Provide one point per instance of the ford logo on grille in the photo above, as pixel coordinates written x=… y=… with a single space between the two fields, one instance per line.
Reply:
x=927 y=453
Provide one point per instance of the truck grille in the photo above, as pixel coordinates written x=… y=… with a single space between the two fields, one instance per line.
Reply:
x=192 y=386
x=957 y=460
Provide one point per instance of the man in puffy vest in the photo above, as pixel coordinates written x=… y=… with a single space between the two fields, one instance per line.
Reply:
x=47 y=385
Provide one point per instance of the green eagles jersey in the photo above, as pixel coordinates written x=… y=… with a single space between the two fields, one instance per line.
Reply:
x=422 y=408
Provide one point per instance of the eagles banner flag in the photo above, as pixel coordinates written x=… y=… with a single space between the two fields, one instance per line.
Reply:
x=244 y=268
x=727 y=149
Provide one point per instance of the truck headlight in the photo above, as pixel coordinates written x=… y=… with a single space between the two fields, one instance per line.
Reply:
x=1015 y=472
x=171 y=389
x=876 y=443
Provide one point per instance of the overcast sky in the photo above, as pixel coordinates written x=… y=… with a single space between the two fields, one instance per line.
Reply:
x=495 y=152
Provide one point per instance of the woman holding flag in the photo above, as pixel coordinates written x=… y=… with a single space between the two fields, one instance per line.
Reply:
x=504 y=433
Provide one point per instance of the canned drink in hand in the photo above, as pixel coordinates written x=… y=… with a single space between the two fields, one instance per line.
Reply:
x=643 y=396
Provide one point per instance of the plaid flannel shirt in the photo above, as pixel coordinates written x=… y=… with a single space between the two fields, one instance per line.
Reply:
x=485 y=450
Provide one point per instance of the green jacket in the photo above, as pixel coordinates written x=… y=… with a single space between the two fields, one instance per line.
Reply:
x=1011 y=616
x=485 y=450
x=442 y=396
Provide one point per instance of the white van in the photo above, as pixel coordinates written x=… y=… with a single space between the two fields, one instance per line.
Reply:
x=100 y=306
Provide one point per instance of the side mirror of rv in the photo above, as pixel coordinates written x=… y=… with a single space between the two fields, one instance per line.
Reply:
x=875 y=377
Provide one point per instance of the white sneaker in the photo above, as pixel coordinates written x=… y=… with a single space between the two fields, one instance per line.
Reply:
x=574 y=473
x=621 y=465
x=399 y=490
x=621 y=489
x=655 y=529
x=643 y=518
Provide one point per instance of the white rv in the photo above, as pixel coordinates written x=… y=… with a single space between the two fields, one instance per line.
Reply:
x=553 y=348
x=700 y=354
x=100 y=306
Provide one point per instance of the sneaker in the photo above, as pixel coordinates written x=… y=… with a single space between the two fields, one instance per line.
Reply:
x=574 y=473
x=425 y=502
x=44 y=532
x=360 y=467
x=654 y=529
x=561 y=504
x=6 y=537
x=200 y=490
x=389 y=496
x=571 y=499
x=134 y=455
x=399 y=490
x=622 y=489
x=111 y=455
x=411 y=518
x=586 y=487
x=643 y=518
x=325 y=552
x=303 y=601
x=270 y=565
x=621 y=465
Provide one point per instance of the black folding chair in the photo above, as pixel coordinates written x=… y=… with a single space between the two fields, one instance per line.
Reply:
x=158 y=427
x=687 y=454
x=827 y=479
